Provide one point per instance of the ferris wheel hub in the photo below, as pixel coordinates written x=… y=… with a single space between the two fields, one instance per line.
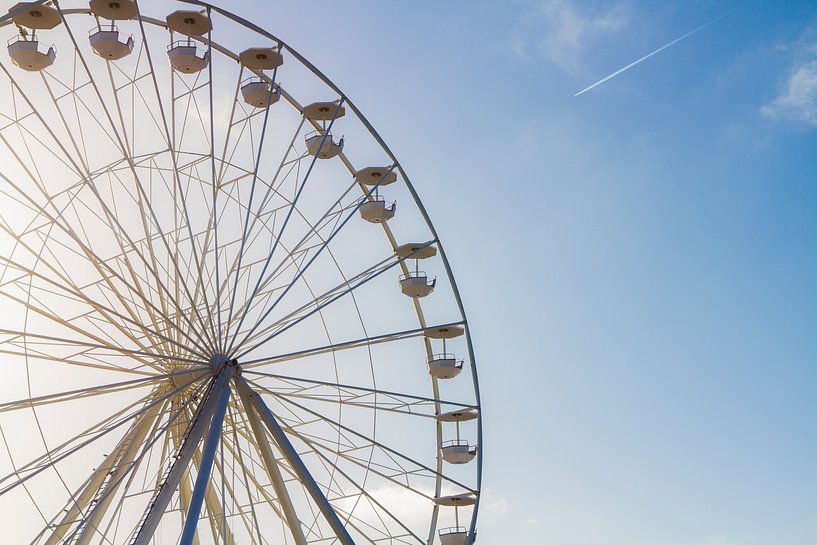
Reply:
x=219 y=361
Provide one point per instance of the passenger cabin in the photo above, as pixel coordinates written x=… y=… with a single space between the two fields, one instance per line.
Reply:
x=444 y=366
x=375 y=210
x=453 y=536
x=106 y=43
x=28 y=54
x=323 y=145
x=456 y=535
x=458 y=451
x=184 y=57
x=260 y=93
x=415 y=283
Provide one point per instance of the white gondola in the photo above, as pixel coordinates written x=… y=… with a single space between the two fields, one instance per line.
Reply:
x=35 y=16
x=259 y=93
x=444 y=366
x=29 y=55
x=458 y=451
x=323 y=148
x=261 y=58
x=113 y=10
x=184 y=57
x=371 y=175
x=106 y=43
x=416 y=284
x=453 y=536
x=375 y=209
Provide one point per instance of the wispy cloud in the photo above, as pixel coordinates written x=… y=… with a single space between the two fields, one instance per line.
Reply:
x=797 y=100
x=559 y=32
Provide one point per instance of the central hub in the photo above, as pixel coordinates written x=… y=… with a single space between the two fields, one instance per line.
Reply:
x=219 y=361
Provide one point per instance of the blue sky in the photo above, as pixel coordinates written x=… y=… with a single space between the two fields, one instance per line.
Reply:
x=638 y=263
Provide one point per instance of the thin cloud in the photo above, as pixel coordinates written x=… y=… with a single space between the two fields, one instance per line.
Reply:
x=559 y=32
x=797 y=100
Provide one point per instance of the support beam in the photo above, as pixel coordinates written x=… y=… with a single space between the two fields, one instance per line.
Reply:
x=271 y=464
x=296 y=463
x=206 y=466
x=157 y=509
x=97 y=479
x=123 y=465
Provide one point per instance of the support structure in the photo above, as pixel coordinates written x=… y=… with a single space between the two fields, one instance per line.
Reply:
x=295 y=461
x=271 y=464
x=206 y=466
x=204 y=417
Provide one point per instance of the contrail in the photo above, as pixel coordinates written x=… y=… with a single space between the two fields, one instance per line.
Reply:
x=647 y=56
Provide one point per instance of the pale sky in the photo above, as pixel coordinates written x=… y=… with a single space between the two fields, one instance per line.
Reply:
x=637 y=263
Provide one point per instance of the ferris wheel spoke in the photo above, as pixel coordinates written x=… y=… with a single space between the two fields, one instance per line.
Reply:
x=214 y=183
x=67 y=288
x=286 y=220
x=326 y=300
x=83 y=173
x=176 y=137
x=82 y=393
x=317 y=253
x=323 y=453
x=389 y=450
x=344 y=345
x=359 y=396
x=173 y=155
x=102 y=346
x=38 y=355
x=65 y=285
x=97 y=431
x=257 y=162
x=316 y=304
x=248 y=227
x=105 y=279
x=94 y=259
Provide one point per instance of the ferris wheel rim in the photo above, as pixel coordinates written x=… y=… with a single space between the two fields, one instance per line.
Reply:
x=283 y=45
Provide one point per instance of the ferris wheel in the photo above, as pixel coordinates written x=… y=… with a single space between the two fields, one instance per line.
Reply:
x=214 y=325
